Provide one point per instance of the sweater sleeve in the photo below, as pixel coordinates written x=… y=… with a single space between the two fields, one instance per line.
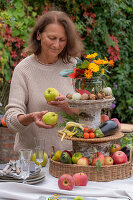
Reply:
x=18 y=99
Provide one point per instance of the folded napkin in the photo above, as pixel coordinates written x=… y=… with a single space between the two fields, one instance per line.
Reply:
x=12 y=169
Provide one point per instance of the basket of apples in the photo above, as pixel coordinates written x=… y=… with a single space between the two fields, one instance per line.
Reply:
x=98 y=167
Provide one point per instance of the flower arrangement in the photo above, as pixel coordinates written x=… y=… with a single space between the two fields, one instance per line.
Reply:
x=91 y=67
x=87 y=75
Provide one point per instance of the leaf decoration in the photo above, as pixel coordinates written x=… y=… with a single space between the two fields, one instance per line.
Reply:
x=73 y=117
x=98 y=165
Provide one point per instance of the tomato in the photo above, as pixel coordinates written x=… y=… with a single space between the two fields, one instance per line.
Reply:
x=92 y=135
x=92 y=130
x=3 y=122
x=86 y=135
x=86 y=129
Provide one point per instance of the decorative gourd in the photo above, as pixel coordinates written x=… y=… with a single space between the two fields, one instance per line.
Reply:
x=107 y=91
x=65 y=158
x=109 y=127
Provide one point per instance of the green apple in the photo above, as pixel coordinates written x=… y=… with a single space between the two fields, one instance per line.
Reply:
x=50 y=118
x=78 y=198
x=76 y=157
x=50 y=94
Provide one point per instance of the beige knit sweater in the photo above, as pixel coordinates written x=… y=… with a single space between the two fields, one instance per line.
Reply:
x=30 y=80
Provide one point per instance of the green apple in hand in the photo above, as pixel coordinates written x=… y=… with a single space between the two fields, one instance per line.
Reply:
x=50 y=94
x=50 y=118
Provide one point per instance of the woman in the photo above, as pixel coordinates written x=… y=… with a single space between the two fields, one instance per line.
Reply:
x=53 y=46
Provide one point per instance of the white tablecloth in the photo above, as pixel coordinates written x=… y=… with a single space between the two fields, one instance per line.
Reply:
x=119 y=189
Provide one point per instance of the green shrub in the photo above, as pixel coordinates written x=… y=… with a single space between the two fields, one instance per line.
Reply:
x=105 y=26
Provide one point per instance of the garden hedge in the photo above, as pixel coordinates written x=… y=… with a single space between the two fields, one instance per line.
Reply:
x=105 y=26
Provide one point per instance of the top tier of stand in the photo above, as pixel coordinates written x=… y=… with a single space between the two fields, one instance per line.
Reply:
x=90 y=110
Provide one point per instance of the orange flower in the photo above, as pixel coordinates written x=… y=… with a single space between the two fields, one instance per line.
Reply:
x=111 y=62
x=102 y=70
x=88 y=73
x=98 y=62
x=106 y=59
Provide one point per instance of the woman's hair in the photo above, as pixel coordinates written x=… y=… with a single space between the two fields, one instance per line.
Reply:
x=74 y=45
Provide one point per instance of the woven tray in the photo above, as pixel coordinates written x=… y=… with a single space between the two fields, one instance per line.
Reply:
x=116 y=136
x=107 y=172
x=127 y=128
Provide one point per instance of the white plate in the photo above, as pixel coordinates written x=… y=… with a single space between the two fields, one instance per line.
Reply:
x=34 y=172
x=34 y=180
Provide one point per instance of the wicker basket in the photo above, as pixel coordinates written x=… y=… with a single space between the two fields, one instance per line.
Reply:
x=107 y=172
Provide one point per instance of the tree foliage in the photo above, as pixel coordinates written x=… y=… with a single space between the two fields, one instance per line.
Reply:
x=106 y=27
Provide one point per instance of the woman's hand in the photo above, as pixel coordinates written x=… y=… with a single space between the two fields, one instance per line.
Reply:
x=39 y=121
x=60 y=102
x=34 y=117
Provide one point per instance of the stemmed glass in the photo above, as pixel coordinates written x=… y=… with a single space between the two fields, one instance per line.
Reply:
x=25 y=159
x=39 y=149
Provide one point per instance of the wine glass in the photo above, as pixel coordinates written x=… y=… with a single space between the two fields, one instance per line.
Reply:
x=25 y=158
x=39 y=149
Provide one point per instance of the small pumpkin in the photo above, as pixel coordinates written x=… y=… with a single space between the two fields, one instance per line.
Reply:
x=107 y=91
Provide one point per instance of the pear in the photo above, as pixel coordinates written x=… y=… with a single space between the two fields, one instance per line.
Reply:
x=44 y=162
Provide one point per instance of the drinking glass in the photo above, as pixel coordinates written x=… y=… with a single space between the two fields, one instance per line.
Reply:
x=25 y=158
x=39 y=149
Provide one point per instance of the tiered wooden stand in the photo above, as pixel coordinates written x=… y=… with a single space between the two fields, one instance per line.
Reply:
x=90 y=114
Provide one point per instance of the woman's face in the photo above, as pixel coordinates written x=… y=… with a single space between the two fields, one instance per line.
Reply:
x=53 y=40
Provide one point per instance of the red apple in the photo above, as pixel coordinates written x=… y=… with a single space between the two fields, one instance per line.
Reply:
x=119 y=157
x=66 y=182
x=97 y=156
x=104 y=118
x=108 y=160
x=114 y=148
x=117 y=121
x=80 y=179
x=83 y=161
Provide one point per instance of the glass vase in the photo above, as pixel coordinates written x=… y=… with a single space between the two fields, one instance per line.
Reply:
x=93 y=85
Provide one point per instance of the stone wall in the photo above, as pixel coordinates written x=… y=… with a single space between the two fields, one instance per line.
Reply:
x=6 y=145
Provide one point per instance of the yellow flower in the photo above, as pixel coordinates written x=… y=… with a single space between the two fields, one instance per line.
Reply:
x=92 y=56
x=93 y=67
x=102 y=70
x=88 y=73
